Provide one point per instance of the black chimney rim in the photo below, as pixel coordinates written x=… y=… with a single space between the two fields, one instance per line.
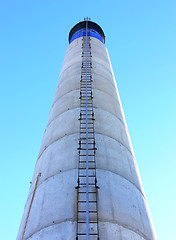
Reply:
x=82 y=25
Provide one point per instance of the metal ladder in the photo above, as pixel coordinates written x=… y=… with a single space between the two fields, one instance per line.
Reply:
x=87 y=190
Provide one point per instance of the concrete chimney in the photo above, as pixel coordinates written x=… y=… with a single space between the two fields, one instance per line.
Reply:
x=86 y=183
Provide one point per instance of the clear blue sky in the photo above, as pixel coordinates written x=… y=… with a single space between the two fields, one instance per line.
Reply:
x=141 y=40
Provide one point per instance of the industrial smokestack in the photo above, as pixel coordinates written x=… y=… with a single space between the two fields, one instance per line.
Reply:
x=86 y=183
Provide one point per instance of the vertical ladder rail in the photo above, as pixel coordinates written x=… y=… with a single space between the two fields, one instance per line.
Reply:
x=87 y=166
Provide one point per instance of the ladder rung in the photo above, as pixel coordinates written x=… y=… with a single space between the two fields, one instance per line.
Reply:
x=88 y=90
x=87 y=114
x=85 y=168
x=84 y=76
x=90 y=211
x=84 y=51
x=90 y=108
x=91 y=149
x=89 y=81
x=88 y=105
x=89 y=155
x=83 y=98
x=83 y=95
x=84 y=80
x=84 y=234
x=84 y=139
x=84 y=184
x=85 y=133
x=86 y=143
x=84 y=104
x=89 y=142
x=87 y=96
x=87 y=119
x=87 y=149
x=88 y=53
x=85 y=161
x=89 y=100
x=89 y=222
x=83 y=201
x=86 y=176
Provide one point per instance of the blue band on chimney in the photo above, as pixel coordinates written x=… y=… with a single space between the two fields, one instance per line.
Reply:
x=82 y=32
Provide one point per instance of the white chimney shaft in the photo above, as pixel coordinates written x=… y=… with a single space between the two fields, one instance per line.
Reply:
x=86 y=183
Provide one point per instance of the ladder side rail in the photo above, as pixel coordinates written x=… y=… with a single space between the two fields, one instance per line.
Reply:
x=87 y=172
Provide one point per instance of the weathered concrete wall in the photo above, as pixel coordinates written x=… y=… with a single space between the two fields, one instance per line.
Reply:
x=50 y=211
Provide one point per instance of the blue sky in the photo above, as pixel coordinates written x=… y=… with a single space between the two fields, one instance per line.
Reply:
x=141 y=40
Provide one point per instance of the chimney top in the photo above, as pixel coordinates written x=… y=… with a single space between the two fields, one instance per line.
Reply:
x=93 y=30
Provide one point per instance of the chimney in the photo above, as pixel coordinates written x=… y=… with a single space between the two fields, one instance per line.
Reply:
x=86 y=183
